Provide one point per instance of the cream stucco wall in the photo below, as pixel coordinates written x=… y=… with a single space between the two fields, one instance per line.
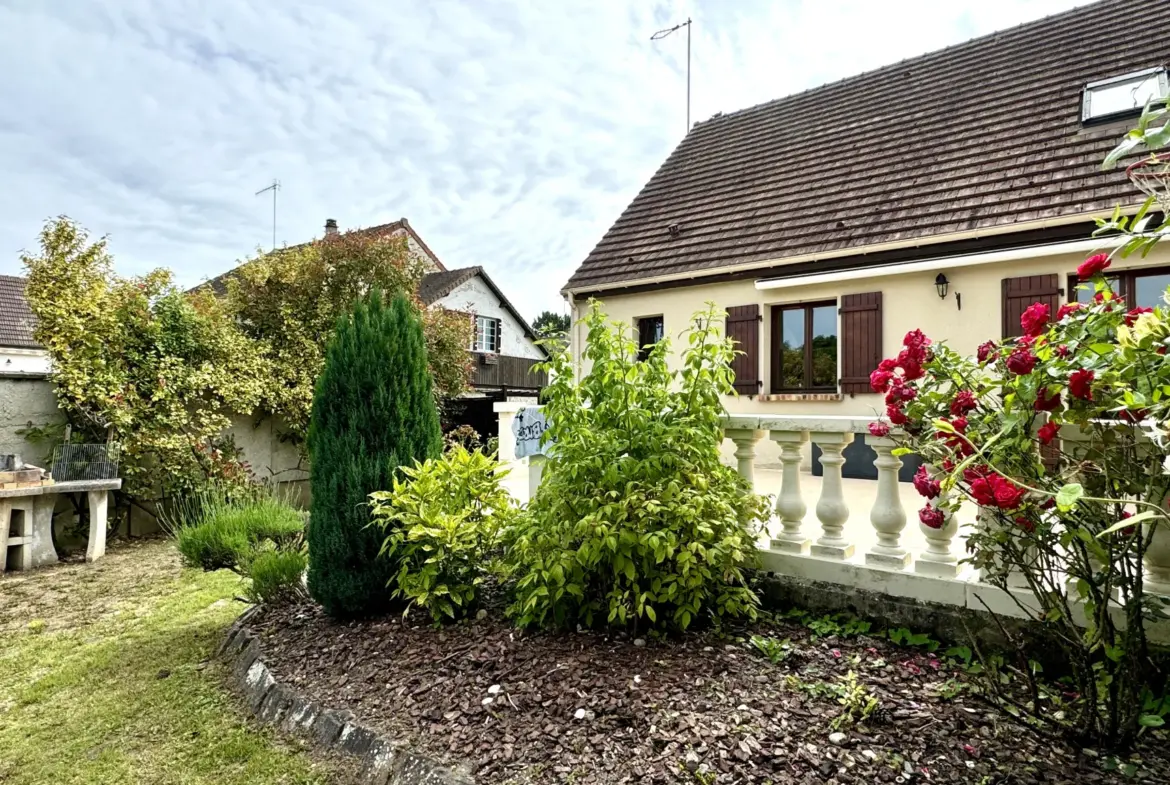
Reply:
x=909 y=301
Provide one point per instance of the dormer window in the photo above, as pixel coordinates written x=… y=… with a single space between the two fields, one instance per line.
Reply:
x=1123 y=96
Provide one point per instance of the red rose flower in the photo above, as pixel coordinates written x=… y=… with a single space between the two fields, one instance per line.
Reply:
x=959 y=424
x=986 y=351
x=900 y=392
x=1080 y=384
x=915 y=340
x=1021 y=361
x=888 y=365
x=932 y=517
x=1128 y=531
x=1061 y=351
x=1026 y=523
x=1034 y=319
x=1132 y=316
x=925 y=484
x=911 y=364
x=879 y=381
x=1008 y=495
x=983 y=492
x=879 y=429
x=896 y=415
x=1045 y=402
x=1093 y=265
x=963 y=402
x=1066 y=309
x=1133 y=415
x=1048 y=432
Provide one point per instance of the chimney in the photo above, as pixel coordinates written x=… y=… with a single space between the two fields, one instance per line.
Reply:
x=330 y=227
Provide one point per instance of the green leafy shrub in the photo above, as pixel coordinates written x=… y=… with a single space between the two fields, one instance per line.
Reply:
x=442 y=525
x=277 y=575
x=637 y=520
x=373 y=412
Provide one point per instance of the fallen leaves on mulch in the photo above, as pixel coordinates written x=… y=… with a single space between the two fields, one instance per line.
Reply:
x=594 y=707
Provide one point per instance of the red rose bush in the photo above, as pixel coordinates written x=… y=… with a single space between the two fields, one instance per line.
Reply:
x=1058 y=437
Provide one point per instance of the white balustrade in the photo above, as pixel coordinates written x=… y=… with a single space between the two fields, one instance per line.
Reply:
x=832 y=511
x=887 y=516
x=923 y=563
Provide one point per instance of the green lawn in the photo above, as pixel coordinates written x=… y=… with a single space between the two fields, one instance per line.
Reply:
x=104 y=678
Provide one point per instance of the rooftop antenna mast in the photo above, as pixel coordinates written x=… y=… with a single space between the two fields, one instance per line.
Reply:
x=274 y=188
x=662 y=34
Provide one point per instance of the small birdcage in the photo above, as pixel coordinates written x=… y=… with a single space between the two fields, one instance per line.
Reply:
x=74 y=462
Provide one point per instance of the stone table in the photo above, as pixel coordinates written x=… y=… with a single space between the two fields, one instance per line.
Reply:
x=26 y=522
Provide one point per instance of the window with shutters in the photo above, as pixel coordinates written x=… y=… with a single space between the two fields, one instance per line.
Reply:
x=650 y=332
x=804 y=348
x=1140 y=288
x=487 y=335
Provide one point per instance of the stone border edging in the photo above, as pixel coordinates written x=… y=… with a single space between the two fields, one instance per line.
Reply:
x=382 y=761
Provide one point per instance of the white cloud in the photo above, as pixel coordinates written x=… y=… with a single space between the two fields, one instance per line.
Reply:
x=511 y=135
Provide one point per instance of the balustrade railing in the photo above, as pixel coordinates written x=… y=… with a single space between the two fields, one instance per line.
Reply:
x=835 y=536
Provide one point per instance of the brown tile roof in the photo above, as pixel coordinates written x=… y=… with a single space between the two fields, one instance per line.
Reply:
x=436 y=286
x=978 y=136
x=16 y=319
x=218 y=284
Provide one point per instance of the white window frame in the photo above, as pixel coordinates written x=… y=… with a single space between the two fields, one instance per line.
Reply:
x=1136 y=76
x=487 y=328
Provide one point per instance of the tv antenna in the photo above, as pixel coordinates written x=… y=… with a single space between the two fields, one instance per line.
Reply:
x=662 y=34
x=274 y=188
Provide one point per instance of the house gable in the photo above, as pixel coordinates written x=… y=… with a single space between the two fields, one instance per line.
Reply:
x=472 y=291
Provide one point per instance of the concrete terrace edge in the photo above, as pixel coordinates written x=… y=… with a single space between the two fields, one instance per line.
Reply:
x=383 y=761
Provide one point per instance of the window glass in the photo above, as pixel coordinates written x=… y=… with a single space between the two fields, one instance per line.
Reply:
x=487 y=334
x=650 y=331
x=1123 y=95
x=792 y=357
x=1149 y=290
x=1086 y=290
x=824 y=346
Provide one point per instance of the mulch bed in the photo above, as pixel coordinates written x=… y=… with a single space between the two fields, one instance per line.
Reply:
x=596 y=708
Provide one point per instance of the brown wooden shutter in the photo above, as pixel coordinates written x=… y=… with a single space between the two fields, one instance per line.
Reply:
x=1019 y=293
x=743 y=327
x=861 y=340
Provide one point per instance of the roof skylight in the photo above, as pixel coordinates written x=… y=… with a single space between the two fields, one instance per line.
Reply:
x=1123 y=95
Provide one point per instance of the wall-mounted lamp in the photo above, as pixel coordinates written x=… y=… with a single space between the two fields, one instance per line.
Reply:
x=941 y=283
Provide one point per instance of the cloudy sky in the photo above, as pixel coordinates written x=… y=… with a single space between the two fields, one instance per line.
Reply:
x=510 y=134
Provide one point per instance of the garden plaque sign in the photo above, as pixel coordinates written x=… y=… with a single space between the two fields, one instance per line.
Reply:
x=528 y=426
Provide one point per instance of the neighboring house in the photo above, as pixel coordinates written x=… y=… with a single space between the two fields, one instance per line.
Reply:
x=504 y=344
x=946 y=192
x=26 y=396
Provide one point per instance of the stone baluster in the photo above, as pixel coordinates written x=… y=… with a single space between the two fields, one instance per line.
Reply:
x=887 y=516
x=939 y=560
x=745 y=451
x=790 y=507
x=831 y=508
x=1157 y=559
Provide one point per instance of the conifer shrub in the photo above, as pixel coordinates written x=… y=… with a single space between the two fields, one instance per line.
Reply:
x=373 y=412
